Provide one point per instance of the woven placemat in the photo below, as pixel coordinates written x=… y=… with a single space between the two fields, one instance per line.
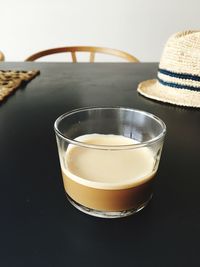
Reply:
x=10 y=80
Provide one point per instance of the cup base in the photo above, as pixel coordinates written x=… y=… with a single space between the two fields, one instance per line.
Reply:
x=108 y=214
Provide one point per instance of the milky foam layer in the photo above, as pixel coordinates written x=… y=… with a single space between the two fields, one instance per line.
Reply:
x=108 y=168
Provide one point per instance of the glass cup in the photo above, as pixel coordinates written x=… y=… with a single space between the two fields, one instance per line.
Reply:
x=109 y=158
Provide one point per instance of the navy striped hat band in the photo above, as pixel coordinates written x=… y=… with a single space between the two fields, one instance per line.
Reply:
x=177 y=84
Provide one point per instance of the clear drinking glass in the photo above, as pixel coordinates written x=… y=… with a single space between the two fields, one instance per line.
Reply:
x=109 y=158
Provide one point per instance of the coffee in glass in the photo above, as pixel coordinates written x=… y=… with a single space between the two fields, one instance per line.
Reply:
x=109 y=158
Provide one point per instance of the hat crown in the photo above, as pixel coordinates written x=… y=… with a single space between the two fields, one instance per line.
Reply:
x=178 y=78
x=182 y=53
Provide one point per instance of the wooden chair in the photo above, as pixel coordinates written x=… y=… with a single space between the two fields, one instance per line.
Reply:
x=2 y=57
x=91 y=49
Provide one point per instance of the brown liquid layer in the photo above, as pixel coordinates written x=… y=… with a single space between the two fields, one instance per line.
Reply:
x=109 y=199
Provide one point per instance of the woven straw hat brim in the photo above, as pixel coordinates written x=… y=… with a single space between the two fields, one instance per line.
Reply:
x=181 y=97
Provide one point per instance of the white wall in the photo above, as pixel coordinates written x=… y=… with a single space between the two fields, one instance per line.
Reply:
x=140 y=27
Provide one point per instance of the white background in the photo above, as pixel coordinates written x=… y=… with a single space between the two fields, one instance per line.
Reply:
x=140 y=27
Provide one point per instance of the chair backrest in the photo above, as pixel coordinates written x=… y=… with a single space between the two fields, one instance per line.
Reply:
x=2 y=57
x=91 y=49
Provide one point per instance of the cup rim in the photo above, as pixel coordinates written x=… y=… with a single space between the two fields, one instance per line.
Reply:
x=110 y=147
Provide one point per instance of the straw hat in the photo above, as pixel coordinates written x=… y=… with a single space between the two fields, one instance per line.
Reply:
x=178 y=79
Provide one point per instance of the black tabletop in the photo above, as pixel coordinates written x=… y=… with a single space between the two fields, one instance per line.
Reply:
x=39 y=227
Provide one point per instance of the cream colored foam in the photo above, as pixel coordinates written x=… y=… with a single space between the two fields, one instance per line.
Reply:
x=108 y=169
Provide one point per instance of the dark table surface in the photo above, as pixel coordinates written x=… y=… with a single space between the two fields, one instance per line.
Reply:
x=39 y=227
